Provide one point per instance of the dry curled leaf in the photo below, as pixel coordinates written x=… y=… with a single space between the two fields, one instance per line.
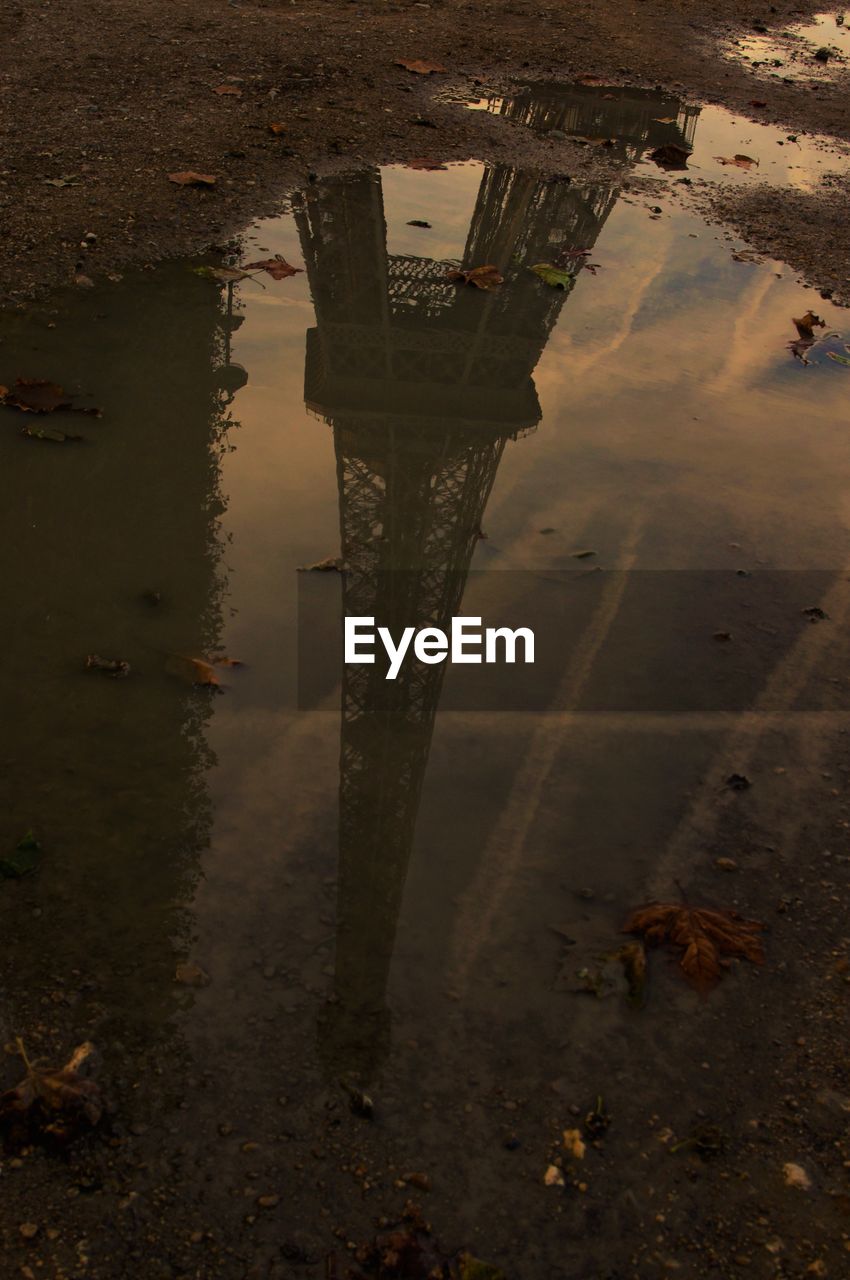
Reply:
x=190 y=178
x=277 y=128
x=277 y=267
x=51 y=1103
x=740 y=161
x=704 y=935
x=419 y=66
x=228 y=90
x=807 y=324
x=115 y=667
x=486 y=277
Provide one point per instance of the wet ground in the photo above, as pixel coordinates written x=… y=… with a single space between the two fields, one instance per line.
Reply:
x=266 y=900
x=802 y=51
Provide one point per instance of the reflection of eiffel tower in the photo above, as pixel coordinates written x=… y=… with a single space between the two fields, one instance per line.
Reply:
x=631 y=120
x=424 y=384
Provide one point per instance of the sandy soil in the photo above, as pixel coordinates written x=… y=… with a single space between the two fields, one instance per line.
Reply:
x=104 y=100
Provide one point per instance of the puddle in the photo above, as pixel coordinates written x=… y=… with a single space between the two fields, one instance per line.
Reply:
x=816 y=50
x=629 y=124
x=399 y=895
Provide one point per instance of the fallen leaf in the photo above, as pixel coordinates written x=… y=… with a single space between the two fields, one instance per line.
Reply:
x=621 y=972
x=704 y=935
x=35 y=395
x=419 y=66
x=815 y=613
x=663 y=119
x=277 y=267
x=189 y=178
x=418 y=222
x=228 y=90
x=331 y=564
x=671 y=156
x=833 y=355
x=51 y=434
x=115 y=667
x=277 y=128
x=486 y=277
x=807 y=324
x=68 y=181
x=198 y=671
x=740 y=161
x=222 y=275
x=51 y=1104
x=422 y=162
x=574 y=1143
x=557 y=277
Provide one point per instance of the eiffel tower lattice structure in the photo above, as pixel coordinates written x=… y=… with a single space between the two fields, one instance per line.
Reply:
x=424 y=384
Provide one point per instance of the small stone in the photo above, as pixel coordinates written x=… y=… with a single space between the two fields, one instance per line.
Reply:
x=420 y=1180
x=726 y=864
x=29 y=1230
x=268 y=1202
x=796 y=1176
x=553 y=1177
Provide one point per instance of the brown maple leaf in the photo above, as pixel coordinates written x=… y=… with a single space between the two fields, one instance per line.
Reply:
x=51 y=1102
x=704 y=935
x=807 y=324
x=277 y=267
x=479 y=277
x=37 y=395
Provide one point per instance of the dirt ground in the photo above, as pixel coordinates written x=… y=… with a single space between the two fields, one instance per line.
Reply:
x=103 y=100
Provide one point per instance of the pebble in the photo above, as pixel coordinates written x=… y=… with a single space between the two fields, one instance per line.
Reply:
x=29 y=1230
x=268 y=1202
